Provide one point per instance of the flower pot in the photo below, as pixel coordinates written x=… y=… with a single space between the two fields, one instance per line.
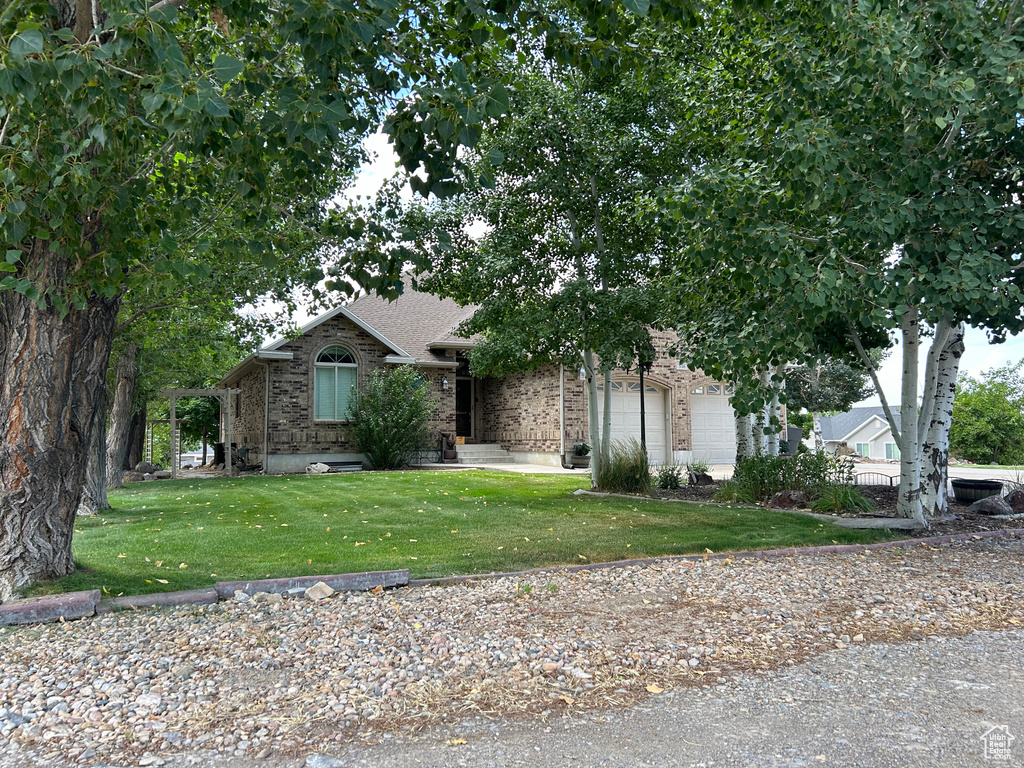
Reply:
x=970 y=491
x=580 y=461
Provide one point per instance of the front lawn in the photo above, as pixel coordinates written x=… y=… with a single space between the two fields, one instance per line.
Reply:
x=185 y=534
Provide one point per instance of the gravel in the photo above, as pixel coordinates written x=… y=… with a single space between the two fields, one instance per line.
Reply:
x=284 y=681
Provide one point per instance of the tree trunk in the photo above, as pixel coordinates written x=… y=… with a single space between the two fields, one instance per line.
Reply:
x=52 y=375
x=606 y=419
x=121 y=415
x=593 y=426
x=935 y=449
x=94 y=489
x=819 y=440
x=744 y=438
x=774 y=409
x=908 y=503
x=204 y=448
x=136 y=439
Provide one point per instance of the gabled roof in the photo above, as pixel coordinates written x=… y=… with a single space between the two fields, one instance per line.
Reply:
x=841 y=426
x=421 y=323
x=344 y=312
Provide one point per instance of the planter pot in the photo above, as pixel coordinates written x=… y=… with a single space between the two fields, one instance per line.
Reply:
x=450 y=454
x=580 y=461
x=969 y=491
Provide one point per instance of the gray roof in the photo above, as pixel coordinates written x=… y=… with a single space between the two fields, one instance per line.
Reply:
x=839 y=426
x=417 y=322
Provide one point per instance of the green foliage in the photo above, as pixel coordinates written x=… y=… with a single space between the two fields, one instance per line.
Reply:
x=988 y=422
x=454 y=532
x=840 y=498
x=760 y=477
x=580 y=449
x=200 y=420
x=827 y=385
x=668 y=477
x=388 y=421
x=627 y=469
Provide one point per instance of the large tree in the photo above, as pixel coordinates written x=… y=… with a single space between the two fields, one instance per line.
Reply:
x=988 y=417
x=876 y=174
x=827 y=384
x=560 y=264
x=120 y=120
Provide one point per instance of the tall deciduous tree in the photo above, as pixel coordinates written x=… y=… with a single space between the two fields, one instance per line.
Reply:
x=988 y=417
x=879 y=177
x=562 y=270
x=825 y=385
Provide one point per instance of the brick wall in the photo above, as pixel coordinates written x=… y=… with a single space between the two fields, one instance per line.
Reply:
x=247 y=421
x=292 y=427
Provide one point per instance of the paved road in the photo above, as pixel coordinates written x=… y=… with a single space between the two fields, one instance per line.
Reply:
x=925 y=704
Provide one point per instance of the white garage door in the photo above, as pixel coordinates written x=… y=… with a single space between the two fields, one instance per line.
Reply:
x=712 y=424
x=625 y=418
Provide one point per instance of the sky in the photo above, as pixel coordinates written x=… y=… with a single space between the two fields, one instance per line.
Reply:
x=979 y=356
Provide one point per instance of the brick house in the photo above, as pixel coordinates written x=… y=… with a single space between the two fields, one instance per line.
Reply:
x=294 y=392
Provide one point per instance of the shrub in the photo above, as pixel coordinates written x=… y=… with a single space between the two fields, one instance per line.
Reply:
x=388 y=421
x=580 y=449
x=759 y=478
x=626 y=469
x=668 y=477
x=841 y=498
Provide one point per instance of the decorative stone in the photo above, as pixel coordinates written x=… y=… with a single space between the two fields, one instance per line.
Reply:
x=322 y=761
x=701 y=478
x=788 y=500
x=163 y=474
x=319 y=591
x=992 y=505
x=1015 y=499
x=145 y=468
x=149 y=476
x=317 y=468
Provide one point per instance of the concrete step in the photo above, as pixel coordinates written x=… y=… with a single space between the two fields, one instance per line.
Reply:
x=482 y=453
x=486 y=460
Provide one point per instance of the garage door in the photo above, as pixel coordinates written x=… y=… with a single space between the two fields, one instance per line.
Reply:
x=625 y=417
x=712 y=424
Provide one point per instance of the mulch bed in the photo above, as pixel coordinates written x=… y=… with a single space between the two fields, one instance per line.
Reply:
x=884 y=500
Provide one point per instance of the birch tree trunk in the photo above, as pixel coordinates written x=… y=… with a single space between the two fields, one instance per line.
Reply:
x=121 y=415
x=52 y=375
x=757 y=428
x=94 y=489
x=935 y=448
x=774 y=410
x=819 y=441
x=908 y=503
x=593 y=425
x=744 y=437
x=606 y=420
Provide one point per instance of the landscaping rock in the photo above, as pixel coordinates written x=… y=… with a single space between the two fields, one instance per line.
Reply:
x=1015 y=499
x=149 y=476
x=163 y=474
x=319 y=591
x=701 y=478
x=145 y=468
x=993 y=505
x=267 y=597
x=322 y=761
x=788 y=500
x=317 y=469
x=133 y=477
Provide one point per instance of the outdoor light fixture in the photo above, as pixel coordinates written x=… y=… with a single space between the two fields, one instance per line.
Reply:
x=583 y=374
x=444 y=383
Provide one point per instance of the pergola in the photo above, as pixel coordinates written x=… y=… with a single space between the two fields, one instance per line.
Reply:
x=224 y=395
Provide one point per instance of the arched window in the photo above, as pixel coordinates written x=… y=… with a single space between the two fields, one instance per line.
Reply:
x=335 y=383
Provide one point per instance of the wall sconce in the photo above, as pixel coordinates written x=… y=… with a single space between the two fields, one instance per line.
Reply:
x=583 y=374
x=444 y=383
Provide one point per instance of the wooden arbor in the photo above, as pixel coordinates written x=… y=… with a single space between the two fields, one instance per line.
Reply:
x=224 y=395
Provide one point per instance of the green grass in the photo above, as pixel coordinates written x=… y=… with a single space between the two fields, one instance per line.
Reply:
x=171 y=535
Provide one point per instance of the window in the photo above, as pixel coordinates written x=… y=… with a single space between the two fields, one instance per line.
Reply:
x=714 y=389
x=697 y=391
x=864 y=449
x=335 y=380
x=633 y=386
x=892 y=451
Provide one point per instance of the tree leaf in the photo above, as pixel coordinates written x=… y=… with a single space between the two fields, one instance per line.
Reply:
x=28 y=42
x=227 y=68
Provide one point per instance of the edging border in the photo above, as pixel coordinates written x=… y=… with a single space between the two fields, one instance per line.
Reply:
x=78 y=605
x=757 y=554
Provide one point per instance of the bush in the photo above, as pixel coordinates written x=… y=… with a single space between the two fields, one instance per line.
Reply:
x=388 y=421
x=668 y=477
x=841 y=498
x=580 y=449
x=759 y=478
x=699 y=466
x=626 y=470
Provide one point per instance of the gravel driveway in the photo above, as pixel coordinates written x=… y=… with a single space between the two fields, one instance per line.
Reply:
x=816 y=660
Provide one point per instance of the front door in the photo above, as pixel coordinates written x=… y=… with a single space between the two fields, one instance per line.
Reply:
x=464 y=406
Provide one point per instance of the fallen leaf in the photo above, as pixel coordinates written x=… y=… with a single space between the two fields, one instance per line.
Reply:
x=122 y=555
x=162 y=581
x=655 y=688
x=455 y=742
x=159 y=563
x=567 y=699
x=377 y=590
x=646 y=601
x=182 y=566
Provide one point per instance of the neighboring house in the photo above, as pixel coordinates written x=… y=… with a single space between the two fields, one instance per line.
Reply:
x=865 y=431
x=295 y=392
